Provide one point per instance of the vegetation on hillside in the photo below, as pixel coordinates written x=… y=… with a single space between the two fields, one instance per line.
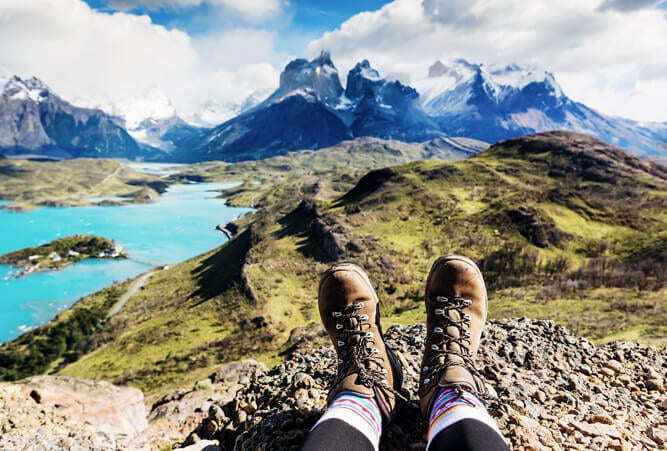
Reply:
x=564 y=227
x=32 y=184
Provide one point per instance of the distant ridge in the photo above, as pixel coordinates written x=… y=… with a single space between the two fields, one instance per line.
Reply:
x=311 y=110
x=34 y=120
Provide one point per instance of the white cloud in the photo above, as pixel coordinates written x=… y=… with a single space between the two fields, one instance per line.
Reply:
x=252 y=8
x=593 y=51
x=83 y=53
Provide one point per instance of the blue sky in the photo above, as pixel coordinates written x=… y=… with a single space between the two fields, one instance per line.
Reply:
x=298 y=21
x=607 y=54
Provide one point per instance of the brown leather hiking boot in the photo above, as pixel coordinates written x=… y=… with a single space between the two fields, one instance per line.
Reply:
x=350 y=312
x=456 y=305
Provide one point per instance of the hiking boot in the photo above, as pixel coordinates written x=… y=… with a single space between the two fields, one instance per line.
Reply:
x=350 y=312
x=456 y=305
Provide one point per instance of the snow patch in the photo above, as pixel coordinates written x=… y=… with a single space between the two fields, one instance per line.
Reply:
x=32 y=88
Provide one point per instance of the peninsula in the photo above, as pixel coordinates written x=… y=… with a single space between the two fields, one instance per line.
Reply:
x=61 y=253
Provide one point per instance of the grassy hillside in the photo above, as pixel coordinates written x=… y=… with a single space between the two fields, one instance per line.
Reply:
x=340 y=164
x=564 y=227
x=31 y=184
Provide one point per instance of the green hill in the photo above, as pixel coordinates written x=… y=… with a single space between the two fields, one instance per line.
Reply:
x=564 y=227
x=33 y=184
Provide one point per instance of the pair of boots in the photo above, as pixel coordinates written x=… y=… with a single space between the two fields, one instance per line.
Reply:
x=456 y=306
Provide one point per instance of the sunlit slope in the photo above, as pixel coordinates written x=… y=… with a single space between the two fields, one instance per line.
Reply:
x=564 y=227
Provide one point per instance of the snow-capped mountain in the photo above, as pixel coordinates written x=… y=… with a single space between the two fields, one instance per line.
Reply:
x=310 y=110
x=35 y=120
x=385 y=109
x=150 y=119
x=498 y=103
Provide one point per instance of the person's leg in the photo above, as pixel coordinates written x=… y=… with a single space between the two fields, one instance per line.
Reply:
x=352 y=422
x=450 y=388
x=369 y=376
x=459 y=421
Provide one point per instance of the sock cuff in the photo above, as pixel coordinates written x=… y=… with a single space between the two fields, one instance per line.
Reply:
x=451 y=406
x=360 y=412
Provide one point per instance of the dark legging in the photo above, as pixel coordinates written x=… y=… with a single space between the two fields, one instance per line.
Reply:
x=465 y=435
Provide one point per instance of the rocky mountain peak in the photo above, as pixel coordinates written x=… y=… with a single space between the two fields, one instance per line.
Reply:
x=457 y=69
x=32 y=88
x=362 y=80
x=318 y=77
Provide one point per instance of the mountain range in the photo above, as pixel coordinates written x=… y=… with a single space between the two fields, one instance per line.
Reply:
x=34 y=120
x=312 y=110
x=493 y=104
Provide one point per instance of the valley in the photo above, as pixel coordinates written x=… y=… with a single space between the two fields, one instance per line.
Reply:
x=176 y=176
x=565 y=228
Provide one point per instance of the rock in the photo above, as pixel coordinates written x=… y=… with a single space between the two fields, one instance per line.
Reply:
x=109 y=408
x=658 y=434
x=597 y=429
x=614 y=365
x=203 y=445
x=601 y=418
x=25 y=424
x=236 y=371
x=654 y=384
x=608 y=372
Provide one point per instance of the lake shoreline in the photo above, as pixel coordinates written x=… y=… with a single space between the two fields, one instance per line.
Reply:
x=178 y=226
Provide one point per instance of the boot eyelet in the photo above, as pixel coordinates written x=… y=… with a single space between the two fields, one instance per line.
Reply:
x=467 y=317
x=363 y=317
x=442 y=299
x=434 y=347
x=384 y=371
x=358 y=305
x=438 y=330
x=341 y=343
x=369 y=335
x=467 y=334
x=341 y=361
x=339 y=326
x=440 y=311
x=426 y=381
x=467 y=302
x=337 y=314
x=470 y=352
x=425 y=369
x=375 y=351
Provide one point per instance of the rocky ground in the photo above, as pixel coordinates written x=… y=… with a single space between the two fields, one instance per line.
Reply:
x=48 y=413
x=550 y=390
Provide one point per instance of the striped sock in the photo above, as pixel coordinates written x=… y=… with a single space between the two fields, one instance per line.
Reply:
x=450 y=407
x=359 y=411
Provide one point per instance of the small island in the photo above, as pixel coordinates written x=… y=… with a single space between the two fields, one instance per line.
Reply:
x=61 y=253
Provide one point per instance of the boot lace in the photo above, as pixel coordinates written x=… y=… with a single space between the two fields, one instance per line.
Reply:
x=357 y=352
x=442 y=351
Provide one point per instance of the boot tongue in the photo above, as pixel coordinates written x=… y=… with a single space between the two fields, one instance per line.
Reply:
x=457 y=375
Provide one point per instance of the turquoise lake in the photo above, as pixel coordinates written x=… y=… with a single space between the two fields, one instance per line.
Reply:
x=180 y=225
